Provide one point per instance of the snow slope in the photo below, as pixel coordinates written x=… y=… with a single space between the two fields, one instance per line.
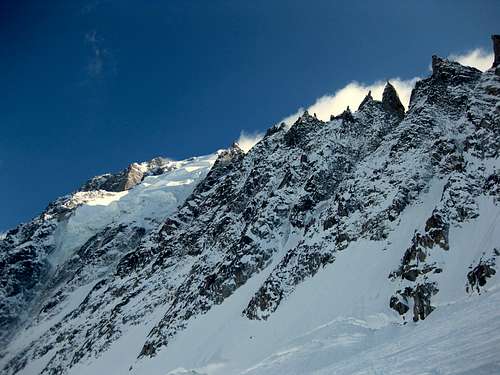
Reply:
x=339 y=322
x=367 y=244
x=145 y=205
x=59 y=253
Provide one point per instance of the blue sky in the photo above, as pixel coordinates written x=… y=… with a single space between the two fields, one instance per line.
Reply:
x=90 y=86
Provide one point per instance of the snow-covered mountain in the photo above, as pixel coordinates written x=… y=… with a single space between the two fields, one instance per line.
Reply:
x=37 y=257
x=367 y=244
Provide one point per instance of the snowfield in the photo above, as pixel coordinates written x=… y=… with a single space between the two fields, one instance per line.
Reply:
x=368 y=244
x=339 y=322
x=145 y=205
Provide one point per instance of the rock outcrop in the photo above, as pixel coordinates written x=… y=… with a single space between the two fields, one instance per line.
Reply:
x=496 y=50
x=267 y=221
x=391 y=101
x=130 y=177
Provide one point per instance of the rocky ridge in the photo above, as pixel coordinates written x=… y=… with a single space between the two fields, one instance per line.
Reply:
x=285 y=210
x=91 y=227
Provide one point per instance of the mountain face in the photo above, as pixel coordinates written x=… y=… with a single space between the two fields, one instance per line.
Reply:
x=324 y=249
x=80 y=237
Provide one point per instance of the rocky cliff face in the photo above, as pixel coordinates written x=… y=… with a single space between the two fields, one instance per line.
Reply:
x=496 y=50
x=259 y=225
x=128 y=178
x=40 y=260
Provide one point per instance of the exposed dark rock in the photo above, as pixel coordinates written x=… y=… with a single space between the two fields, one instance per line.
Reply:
x=492 y=185
x=305 y=262
x=296 y=136
x=436 y=233
x=391 y=102
x=274 y=129
x=130 y=177
x=346 y=116
x=420 y=294
x=479 y=275
x=401 y=307
x=294 y=202
x=121 y=181
x=415 y=267
x=452 y=72
x=368 y=98
x=496 y=50
x=422 y=300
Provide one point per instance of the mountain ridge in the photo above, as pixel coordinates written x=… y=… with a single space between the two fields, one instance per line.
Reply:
x=396 y=193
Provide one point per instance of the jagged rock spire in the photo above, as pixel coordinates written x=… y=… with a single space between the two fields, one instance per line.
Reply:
x=225 y=157
x=496 y=50
x=306 y=118
x=345 y=116
x=275 y=128
x=368 y=98
x=306 y=115
x=391 y=102
x=436 y=63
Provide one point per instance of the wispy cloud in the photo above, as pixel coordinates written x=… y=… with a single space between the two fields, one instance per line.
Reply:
x=247 y=140
x=351 y=95
x=101 y=60
x=333 y=104
x=477 y=58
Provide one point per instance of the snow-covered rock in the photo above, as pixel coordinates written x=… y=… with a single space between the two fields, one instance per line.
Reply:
x=367 y=244
x=37 y=256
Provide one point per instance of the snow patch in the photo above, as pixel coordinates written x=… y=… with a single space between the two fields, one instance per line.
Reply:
x=145 y=205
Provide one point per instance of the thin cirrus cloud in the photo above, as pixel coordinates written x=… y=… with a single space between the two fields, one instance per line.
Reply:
x=353 y=93
x=101 y=59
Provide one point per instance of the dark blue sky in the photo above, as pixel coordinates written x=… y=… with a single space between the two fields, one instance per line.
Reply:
x=90 y=86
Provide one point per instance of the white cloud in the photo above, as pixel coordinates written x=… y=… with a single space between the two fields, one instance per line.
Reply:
x=247 y=140
x=352 y=95
x=477 y=58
